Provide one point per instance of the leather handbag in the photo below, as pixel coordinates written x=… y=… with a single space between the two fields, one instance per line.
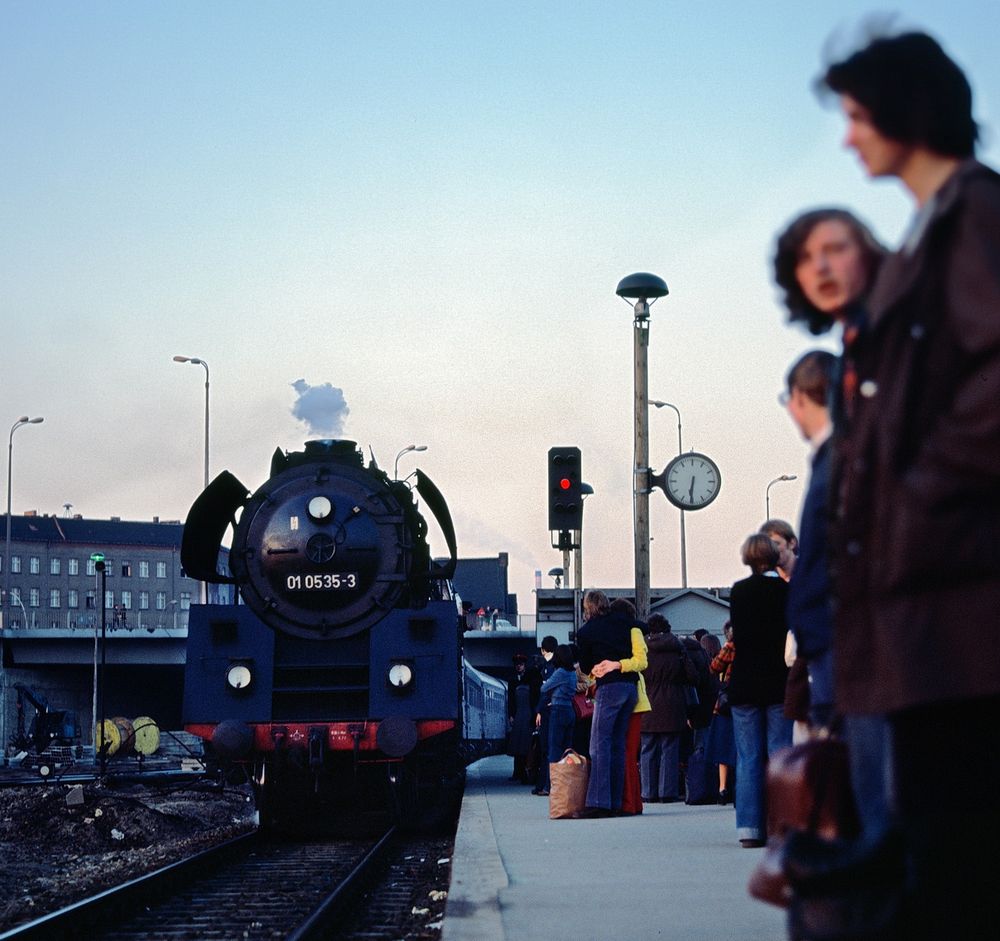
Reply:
x=691 y=701
x=583 y=706
x=808 y=790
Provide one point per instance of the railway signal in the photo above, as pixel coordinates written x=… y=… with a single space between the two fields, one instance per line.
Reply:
x=565 y=494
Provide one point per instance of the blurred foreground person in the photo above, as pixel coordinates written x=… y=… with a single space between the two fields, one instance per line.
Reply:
x=917 y=476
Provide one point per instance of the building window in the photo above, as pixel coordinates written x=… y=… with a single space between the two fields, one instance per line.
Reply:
x=34 y=565
x=72 y=598
x=54 y=600
x=15 y=597
x=55 y=566
x=73 y=566
x=161 y=601
x=185 y=601
x=91 y=601
x=34 y=597
x=143 y=600
x=126 y=569
x=143 y=570
x=127 y=600
x=15 y=564
x=91 y=567
x=161 y=569
x=109 y=599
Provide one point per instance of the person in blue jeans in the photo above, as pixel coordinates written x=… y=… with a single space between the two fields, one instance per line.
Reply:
x=757 y=682
x=561 y=687
x=603 y=642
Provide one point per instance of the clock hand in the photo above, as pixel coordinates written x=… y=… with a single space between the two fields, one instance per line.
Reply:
x=691 y=491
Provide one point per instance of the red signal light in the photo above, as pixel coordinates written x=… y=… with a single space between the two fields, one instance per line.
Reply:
x=565 y=484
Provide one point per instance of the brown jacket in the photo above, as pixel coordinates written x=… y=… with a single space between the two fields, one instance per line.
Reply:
x=916 y=543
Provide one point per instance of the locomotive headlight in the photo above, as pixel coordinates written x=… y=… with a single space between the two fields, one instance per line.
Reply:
x=400 y=675
x=320 y=508
x=238 y=676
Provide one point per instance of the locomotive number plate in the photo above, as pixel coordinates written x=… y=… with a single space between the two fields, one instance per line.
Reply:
x=325 y=581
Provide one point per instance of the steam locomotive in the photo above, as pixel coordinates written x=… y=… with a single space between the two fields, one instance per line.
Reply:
x=340 y=683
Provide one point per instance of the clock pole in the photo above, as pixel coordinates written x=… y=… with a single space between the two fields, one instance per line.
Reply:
x=641 y=287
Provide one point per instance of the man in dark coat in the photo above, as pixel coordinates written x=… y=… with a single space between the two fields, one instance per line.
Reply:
x=917 y=556
x=669 y=671
x=809 y=615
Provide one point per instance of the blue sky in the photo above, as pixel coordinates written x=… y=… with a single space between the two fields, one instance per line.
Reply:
x=427 y=206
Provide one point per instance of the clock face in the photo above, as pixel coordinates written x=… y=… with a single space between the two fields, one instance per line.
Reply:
x=691 y=481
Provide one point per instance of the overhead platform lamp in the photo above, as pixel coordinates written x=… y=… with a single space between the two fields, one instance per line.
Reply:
x=640 y=290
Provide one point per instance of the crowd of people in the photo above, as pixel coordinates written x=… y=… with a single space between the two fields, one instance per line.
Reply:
x=861 y=625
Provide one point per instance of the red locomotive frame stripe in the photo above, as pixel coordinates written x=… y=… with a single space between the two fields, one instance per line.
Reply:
x=340 y=735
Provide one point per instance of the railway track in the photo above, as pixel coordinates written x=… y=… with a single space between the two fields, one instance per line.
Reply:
x=246 y=889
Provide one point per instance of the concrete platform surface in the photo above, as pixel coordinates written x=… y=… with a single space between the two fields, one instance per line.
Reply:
x=676 y=873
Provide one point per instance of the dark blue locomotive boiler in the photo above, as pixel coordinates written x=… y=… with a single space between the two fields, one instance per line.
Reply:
x=340 y=683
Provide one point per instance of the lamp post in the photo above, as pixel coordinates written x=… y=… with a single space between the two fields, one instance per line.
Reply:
x=585 y=491
x=200 y=362
x=641 y=287
x=101 y=745
x=680 y=450
x=406 y=450
x=767 y=493
x=23 y=420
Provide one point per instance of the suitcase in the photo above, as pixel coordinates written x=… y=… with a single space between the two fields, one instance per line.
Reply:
x=701 y=779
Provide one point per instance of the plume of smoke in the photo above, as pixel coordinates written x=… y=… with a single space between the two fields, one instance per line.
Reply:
x=322 y=408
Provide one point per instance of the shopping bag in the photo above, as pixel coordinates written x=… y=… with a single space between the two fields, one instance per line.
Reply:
x=568 y=780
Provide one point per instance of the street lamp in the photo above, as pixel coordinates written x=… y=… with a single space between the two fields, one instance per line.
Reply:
x=680 y=450
x=23 y=420
x=200 y=362
x=767 y=493
x=407 y=449
x=640 y=287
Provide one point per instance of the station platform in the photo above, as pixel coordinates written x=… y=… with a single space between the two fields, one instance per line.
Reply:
x=674 y=872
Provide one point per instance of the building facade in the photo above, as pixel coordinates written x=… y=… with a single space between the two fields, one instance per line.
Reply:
x=61 y=617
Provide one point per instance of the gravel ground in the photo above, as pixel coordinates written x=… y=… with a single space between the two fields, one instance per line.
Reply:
x=61 y=843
